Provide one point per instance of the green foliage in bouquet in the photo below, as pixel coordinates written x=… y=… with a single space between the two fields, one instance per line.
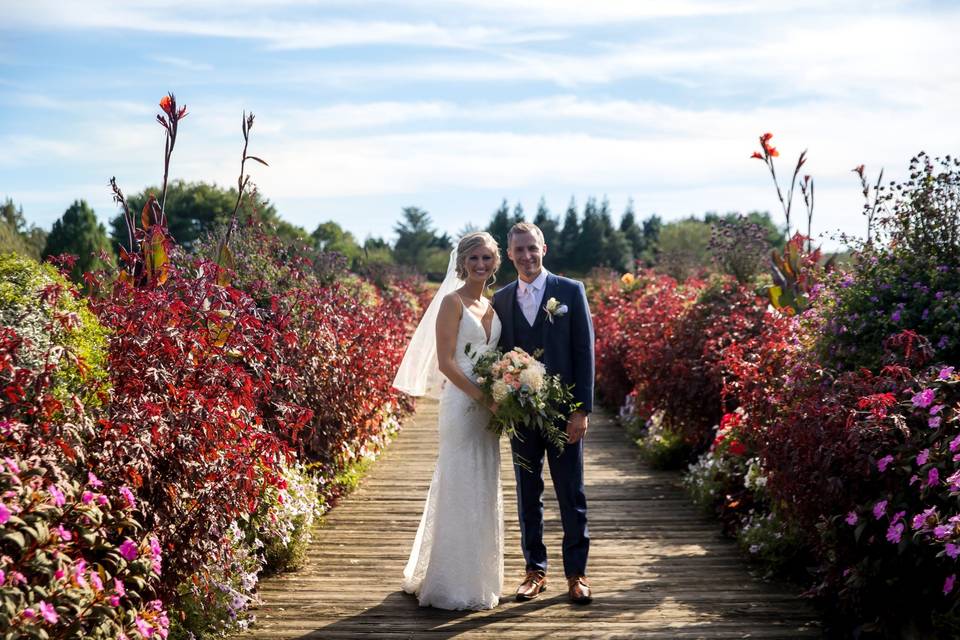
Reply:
x=526 y=397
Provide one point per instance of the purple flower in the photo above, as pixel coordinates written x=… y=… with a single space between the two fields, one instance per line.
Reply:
x=879 y=509
x=147 y=631
x=898 y=516
x=48 y=612
x=945 y=373
x=935 y=409
x=934 y=422
x=885 y=461
x=933 y=477
x=948 y=583
x=921 y=518
x=954 y=481
x=852 y=518
x=953 y=550
x=923 y=456
x=128 y=550
x=942 y=531
x=895 y=316
x=955 y=444
x=923 y=399
x=4 y=513
x=943 y=342
x=58 y=498
x=128 y=496
x=29 y=613
x=895 y=532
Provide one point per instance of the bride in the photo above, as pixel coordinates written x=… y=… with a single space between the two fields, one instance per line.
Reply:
x=457 y=556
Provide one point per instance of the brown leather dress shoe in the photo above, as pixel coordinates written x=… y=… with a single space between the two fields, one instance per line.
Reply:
x=532 y=585
x=579 y=590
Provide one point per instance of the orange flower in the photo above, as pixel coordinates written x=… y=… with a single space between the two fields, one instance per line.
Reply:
x=773 y=152
x=627 y=278
x=758 y=155
x=166 y=103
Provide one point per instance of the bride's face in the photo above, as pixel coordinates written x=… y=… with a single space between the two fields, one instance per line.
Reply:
x=481 y=264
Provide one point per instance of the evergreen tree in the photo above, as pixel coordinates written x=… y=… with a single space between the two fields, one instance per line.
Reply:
x=419 y=246
x=499 y=227
x=564 y=259
x=632 y=232
x=79 y=233
x=593 y=238
x=549 y=225
x=16 y=236
x=651 y=240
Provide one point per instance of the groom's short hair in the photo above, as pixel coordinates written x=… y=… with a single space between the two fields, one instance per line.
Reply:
x=524 y=227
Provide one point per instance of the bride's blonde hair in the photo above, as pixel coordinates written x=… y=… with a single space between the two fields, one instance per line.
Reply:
x=470 y=242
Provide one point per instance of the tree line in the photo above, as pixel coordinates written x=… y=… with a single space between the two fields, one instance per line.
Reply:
x=579 y=241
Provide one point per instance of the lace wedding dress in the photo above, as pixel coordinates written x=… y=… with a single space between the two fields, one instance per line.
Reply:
x=457 y=556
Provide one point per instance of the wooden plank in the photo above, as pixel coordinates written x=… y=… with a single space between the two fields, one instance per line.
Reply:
x=659 y=567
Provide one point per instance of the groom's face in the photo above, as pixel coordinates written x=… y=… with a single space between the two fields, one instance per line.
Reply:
x=526 y=251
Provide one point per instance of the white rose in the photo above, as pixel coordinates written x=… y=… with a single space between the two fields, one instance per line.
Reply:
x=500 y=391
x=533 y=378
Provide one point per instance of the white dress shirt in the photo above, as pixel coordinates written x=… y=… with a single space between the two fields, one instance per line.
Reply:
x=530 y=296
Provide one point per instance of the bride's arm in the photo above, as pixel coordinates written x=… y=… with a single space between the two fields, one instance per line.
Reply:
x=448 y=324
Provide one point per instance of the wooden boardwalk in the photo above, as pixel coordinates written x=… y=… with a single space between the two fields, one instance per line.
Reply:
x=659 y=568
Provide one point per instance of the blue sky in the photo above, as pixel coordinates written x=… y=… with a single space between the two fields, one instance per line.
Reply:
x=366 y=107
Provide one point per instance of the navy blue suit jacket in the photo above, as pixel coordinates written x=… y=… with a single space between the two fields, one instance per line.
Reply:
x=568 y=340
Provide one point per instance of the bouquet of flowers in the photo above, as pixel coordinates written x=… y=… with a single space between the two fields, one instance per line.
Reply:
x=526 y=396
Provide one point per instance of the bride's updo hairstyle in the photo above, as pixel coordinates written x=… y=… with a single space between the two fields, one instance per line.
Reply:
x=470 y=242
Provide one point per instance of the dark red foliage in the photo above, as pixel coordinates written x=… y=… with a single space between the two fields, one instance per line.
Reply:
x=186 y=364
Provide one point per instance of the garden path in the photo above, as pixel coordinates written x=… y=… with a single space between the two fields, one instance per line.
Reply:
x=659 y=568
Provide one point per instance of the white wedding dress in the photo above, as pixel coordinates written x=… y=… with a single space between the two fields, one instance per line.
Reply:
x=457 y=556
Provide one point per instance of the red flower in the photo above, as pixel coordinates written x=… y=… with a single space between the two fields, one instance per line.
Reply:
x=858 y=170
x=758 y=155
x=765 y=138
x=166 y=103
x=736 y=448
x=772 y=151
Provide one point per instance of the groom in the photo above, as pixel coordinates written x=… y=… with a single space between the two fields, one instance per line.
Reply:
x=544 y=311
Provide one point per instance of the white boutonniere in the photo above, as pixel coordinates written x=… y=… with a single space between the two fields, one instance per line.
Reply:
x=554 y=309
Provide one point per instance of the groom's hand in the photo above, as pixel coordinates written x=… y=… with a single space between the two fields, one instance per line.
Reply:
x=576 y=427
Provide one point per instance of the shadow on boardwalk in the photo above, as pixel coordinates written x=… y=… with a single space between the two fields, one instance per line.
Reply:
x=659 y=568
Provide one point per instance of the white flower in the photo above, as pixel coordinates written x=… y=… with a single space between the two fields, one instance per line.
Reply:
x=533 y=378
x=500 y=391
x=554 y=309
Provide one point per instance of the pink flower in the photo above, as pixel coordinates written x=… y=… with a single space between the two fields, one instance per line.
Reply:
x=851 y=518
x=63 y=533
x=102 y=500
x=114 y=601
x=4 y=513
x=954 y=481
x=935 y=409
x=934 y=422
x=948 y=583
x=942 y=531
x=156 y=555
x=87 y=497
x=933 y=477
x=955 y=444
x=93 y=481
x=945 y=373
x=921 y=518
x=95 y=581
x=898 y=516
x=144 y=627
x=879 y=509
x=953 y=550
x=923 y=456
x=128 y=550
x=48 y=612
x=59 y=573
x=128 y=496
x=884 y=462
x=895 y=532
x=29 y=613
x=923 y=399
x=58 y=498
x=12 y=465
x=119 y=588
x=3 y=577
